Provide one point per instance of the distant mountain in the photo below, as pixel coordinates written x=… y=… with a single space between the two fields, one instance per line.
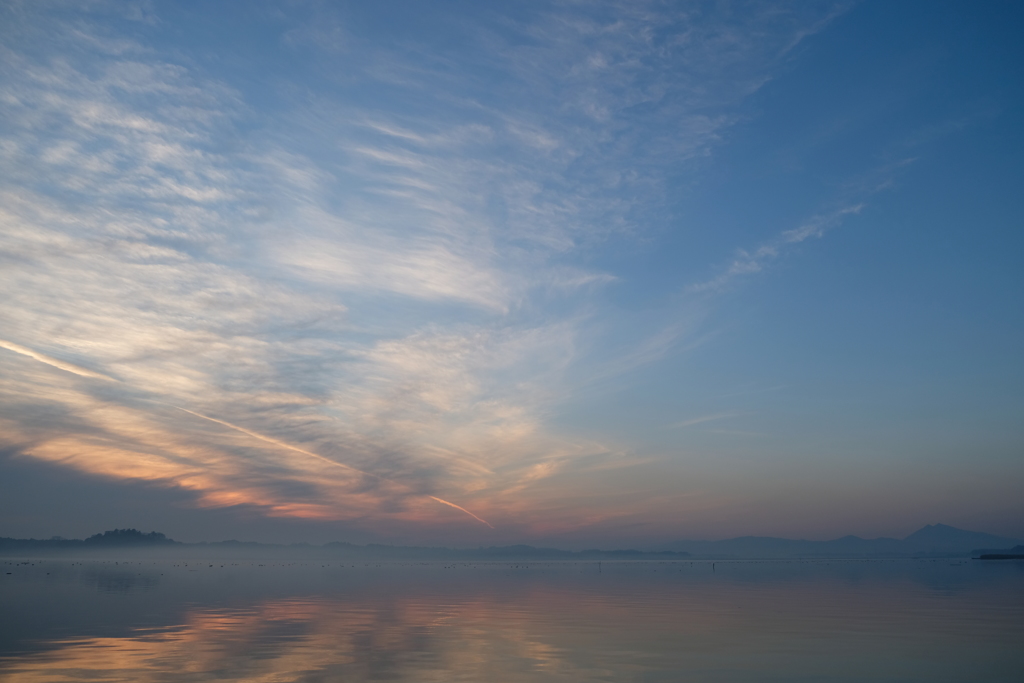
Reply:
x=931 y=540
x=940 y=538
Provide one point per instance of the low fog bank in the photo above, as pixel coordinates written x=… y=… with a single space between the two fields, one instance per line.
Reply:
x=931 y=541
x=130 y=543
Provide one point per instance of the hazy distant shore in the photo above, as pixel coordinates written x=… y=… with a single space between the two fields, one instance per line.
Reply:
x=128 y=542
x=931 y=541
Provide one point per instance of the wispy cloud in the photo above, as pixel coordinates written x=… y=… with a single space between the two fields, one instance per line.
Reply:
x=750 y=262
x=372 y=303
x=702 y=419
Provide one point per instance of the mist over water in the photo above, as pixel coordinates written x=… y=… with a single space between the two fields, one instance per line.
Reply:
x=192 y=620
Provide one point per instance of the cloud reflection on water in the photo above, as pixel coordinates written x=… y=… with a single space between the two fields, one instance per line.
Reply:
x=663 y=621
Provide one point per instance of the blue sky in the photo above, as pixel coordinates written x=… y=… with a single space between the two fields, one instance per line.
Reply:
x=464 y=273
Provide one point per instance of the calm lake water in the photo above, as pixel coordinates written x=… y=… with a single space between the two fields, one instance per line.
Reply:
x=905 y=620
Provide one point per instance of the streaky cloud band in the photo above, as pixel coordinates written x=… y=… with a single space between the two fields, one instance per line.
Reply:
x=311 y=454
x=55 y=362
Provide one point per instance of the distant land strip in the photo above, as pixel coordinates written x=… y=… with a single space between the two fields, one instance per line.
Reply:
x=131 y=541
x=1015 y=553
x=930 y=541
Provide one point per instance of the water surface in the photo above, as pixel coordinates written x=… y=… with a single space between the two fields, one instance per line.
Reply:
x=190 y=620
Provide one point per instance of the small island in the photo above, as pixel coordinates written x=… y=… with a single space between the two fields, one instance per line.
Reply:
x=1015 y=553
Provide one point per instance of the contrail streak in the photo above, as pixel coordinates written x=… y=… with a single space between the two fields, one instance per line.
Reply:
x=281 y=444
x=288 y=446
x=458 y=507
x=84 y=372
x=62 y=365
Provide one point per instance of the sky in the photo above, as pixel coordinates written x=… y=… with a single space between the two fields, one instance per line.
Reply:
x=579 y=274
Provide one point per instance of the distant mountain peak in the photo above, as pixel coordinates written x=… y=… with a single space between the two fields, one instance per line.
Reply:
x=930 y=531
x=942 y=535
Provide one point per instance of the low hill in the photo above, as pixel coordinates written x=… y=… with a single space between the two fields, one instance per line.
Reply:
x=128 y=537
